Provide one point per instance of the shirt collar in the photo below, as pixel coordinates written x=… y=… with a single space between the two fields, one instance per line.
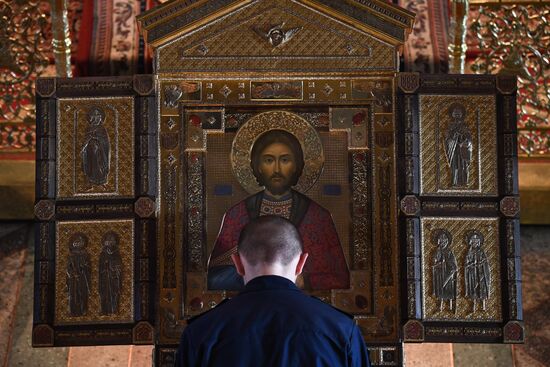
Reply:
x=268 y=197
x=269 y=282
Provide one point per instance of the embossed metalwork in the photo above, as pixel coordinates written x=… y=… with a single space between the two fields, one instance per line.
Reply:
x=477 y=274
x=514 y=332
x=44 y=209
x=408 y=82
x=509 y=206
x=294 y=124
x=144 y=84
x=144 y=207
x=24 y=48
x=286 y=91
x=78 y=275
x=413 y=331
x=45 y=87
x=42 y=336
x=143 y=333
x=460 y=229
x=361 y=214
x=513 y=39
x=444 y=269
x=277 y=35
x=172 y=94
x=195 y=212
x=110 y=274
x=95 y=147
x=410 y=205
x=385 y=248
x=356 y=122
x=480 y=120
x=229 y=48
x=96 y=151
x=458 y=146
x=69 y=261
x=170 y=196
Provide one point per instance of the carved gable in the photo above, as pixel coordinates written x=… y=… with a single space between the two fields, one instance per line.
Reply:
x=278 y=36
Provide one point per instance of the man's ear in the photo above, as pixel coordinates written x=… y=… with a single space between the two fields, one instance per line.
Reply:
x=238 y=263
x=301 y=263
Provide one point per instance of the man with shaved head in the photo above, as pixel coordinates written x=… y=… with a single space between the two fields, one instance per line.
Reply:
x=271 y=322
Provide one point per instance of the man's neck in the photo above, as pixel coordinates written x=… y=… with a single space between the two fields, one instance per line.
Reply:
x=272 y=269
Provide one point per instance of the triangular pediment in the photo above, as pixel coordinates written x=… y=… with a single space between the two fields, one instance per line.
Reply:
x=276 y=35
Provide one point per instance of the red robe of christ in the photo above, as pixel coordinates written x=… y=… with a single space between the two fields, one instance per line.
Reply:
x=325 y=267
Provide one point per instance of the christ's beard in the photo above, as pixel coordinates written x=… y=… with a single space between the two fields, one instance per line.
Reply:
x=278 y=187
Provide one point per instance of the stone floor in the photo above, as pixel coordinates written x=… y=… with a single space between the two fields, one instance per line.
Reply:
x=16 y=268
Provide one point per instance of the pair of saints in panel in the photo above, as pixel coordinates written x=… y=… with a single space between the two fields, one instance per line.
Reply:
x=445 y=271
x=79 y=274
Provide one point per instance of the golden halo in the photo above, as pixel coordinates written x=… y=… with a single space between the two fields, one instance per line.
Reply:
x=306 y=134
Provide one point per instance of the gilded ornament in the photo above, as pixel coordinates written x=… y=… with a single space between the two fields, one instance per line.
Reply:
x=78 y=275
x=45 y=87
x=277 y=35
x=509 y=206
x=513 y=42
x=410 y=205
x=408 y=82
x=86 y=261
x=42 y=336
x=413 y=331
x=453 y=269
x=172 y=94
x=143 y=333
x=257 y=125
x=110 y=273
x=24 y=48
x=96 y=151
x=477 y=273
x=458 y=146
x=514 y=332
x=444 y=269
x=457 y=151
x=144 y=85
x=44 y=210
x=144 y=207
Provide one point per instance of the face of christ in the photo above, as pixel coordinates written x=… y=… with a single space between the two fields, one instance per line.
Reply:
x=277 y=167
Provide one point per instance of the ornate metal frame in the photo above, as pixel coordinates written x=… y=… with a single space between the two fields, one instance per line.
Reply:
x=373 y=295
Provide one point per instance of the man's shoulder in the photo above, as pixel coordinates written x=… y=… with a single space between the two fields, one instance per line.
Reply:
x=209 y=313
x=330 y=308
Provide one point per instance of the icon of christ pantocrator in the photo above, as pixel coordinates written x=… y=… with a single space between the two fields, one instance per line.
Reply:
x=277 y=162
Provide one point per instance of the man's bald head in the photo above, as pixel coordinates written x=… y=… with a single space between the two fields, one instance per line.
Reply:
x=268 y=240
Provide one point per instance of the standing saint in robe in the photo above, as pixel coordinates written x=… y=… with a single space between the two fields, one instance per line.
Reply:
x=96 y=152
x=277 y=162
x=444 y=270
x=458 y=146
x=110 y=274
x=477 y=275
x=78 y=275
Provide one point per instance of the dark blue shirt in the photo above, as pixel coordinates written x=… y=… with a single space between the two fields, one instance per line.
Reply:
x=272 y=323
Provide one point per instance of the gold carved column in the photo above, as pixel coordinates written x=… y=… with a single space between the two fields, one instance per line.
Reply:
x=61 y=38
x=457 y=36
